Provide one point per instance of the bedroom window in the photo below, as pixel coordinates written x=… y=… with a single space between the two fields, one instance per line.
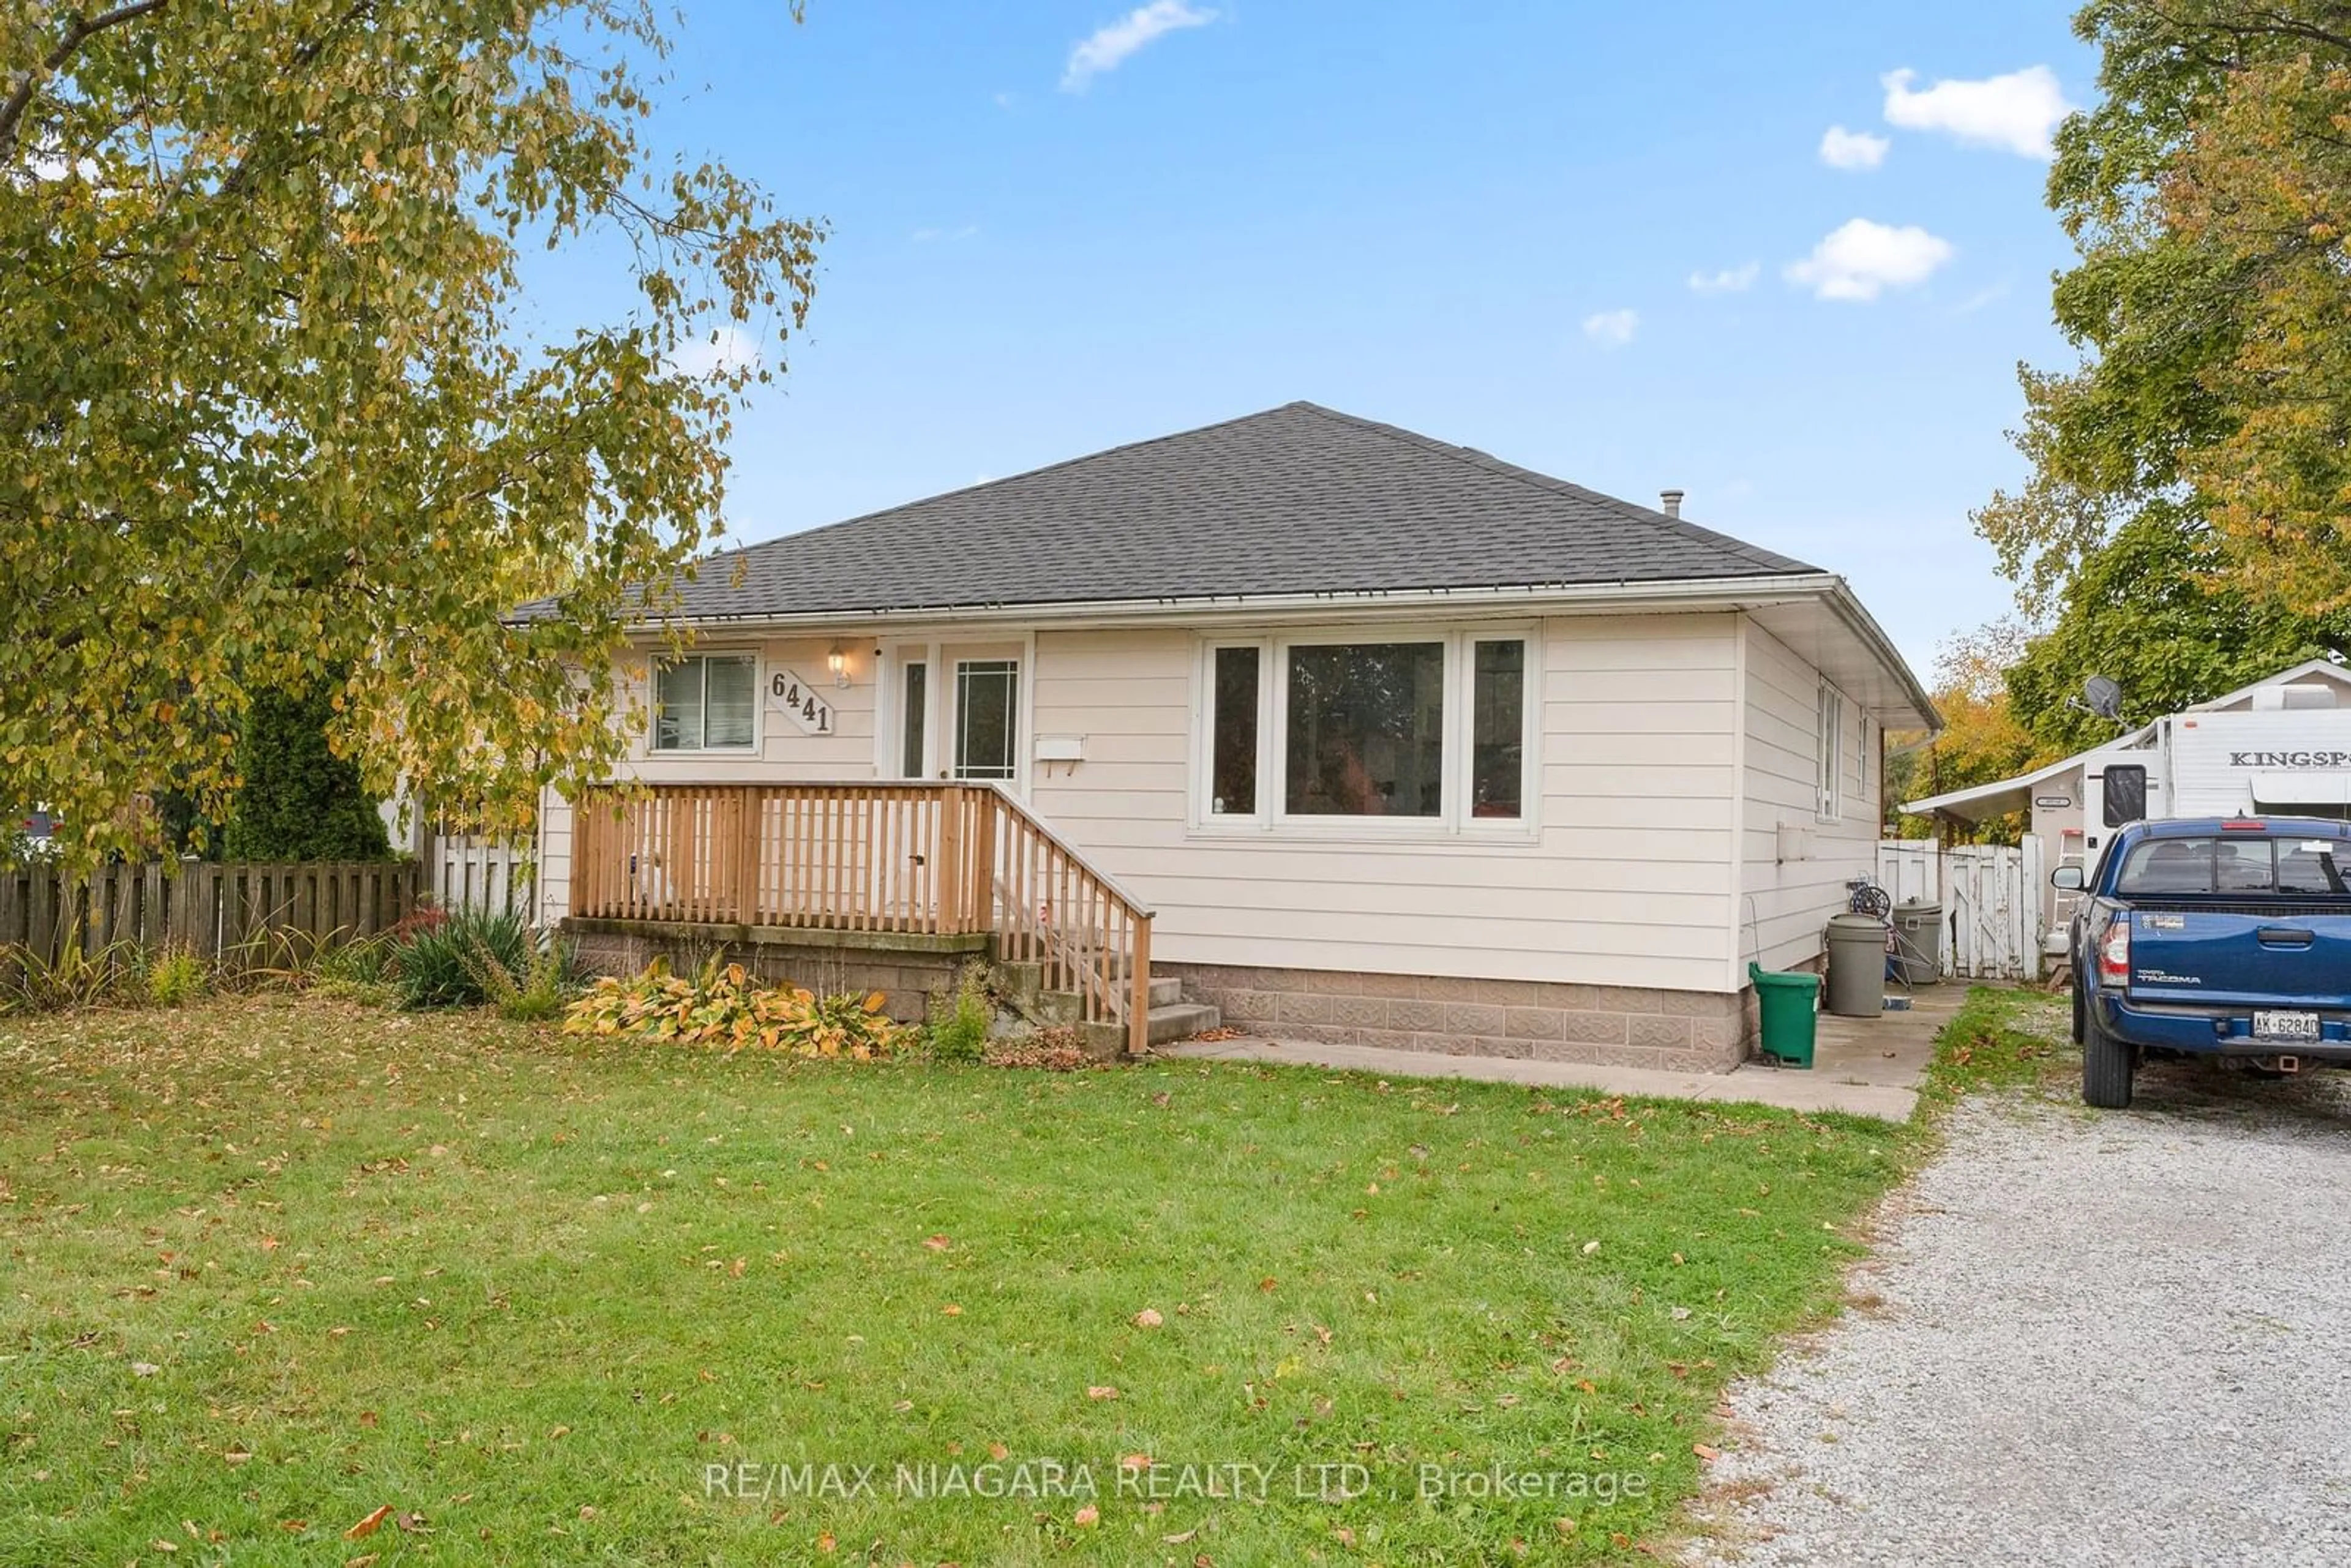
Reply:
x=707 y=702
x=1316 y=731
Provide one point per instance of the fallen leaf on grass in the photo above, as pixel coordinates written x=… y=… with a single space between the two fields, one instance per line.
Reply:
x=1102 y=1391
x=951 y=1309
x=1148 y=1318
x=367 y=1527
x=1134 y=1462
x=1179 y=1540
x=938 y=1243
x=1705 y=1451
x=1087 y=1517
x=999 y=1452
x=1590 y=1247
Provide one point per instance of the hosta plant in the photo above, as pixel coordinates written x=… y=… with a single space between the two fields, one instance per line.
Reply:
x=722 y=1005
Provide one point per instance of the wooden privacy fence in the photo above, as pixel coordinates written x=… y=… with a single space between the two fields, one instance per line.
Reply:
x=917 y=858
x=468 y=870
x=235 y=912
x=1993 y=897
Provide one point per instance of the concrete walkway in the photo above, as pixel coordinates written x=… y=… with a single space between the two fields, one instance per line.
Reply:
x=1869 y=1067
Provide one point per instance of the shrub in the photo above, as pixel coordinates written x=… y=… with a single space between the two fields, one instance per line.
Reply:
x=721 y=1005
x=298 y=799
x=540 y=990
x=960 y=1019
x=76 y=977
x=176 y=977
x=448 y=962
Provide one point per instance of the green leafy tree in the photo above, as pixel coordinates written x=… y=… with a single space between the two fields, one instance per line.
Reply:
x=2152 y=610
x=2207 y=194
x=265 y=412
x=1981 y=742
x=296 y=799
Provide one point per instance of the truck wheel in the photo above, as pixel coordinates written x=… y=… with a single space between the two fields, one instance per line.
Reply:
x=2105 y=1065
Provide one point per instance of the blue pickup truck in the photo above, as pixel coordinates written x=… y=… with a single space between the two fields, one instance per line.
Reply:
x=2214 y=937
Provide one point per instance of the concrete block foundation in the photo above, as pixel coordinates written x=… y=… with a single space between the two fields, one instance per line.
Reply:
x=1611 y=1026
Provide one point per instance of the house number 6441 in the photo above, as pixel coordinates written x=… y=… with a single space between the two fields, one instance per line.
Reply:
x=799 y=701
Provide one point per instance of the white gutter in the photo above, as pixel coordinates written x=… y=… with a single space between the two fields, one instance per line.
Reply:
x=1682 y=594
x=1728 y=594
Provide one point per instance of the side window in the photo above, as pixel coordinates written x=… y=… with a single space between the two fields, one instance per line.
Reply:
x=2126 y=793
x=1828 y=754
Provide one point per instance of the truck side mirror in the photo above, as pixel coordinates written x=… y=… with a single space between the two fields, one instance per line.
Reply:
x=2067 y=879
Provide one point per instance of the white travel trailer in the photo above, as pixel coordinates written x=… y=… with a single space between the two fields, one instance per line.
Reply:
x=2281 y=747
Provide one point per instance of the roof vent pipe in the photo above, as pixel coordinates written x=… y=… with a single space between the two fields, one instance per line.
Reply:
x=1673 y=500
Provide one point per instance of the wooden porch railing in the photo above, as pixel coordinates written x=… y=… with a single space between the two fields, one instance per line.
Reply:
x=937 y=859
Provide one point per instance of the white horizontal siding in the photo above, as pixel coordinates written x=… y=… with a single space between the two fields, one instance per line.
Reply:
x=1785 y=906
x=1628 y=882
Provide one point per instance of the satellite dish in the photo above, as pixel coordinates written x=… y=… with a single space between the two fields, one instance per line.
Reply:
x=2105 y=696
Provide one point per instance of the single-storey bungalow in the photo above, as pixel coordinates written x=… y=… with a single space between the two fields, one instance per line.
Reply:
x=1343 y=731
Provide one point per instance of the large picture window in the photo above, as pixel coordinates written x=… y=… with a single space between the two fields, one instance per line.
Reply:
x=1429 y=729
x=708 y=702
x=1365 y=731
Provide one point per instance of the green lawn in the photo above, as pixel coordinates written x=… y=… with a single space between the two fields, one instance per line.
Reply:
x=273 y=1264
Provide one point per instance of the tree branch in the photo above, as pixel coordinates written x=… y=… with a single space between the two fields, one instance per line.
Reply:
x=11 y=109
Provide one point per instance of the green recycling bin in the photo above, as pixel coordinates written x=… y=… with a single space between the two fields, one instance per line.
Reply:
x=1786 y=1000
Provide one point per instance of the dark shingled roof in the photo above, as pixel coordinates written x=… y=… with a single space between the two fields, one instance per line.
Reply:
x=1296 y=500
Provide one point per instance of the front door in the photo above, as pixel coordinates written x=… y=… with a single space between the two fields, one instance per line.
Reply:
x=984 y=716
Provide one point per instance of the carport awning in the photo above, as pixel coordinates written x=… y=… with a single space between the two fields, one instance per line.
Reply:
x=1988 y=801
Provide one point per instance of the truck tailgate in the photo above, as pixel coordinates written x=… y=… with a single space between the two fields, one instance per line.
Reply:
x=2289 y=955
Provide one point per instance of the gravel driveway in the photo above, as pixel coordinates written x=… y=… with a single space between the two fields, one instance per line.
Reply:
x=2104 y=1338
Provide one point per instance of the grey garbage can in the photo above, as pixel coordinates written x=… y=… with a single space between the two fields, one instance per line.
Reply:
x=1919 y=942
x=1856 y=988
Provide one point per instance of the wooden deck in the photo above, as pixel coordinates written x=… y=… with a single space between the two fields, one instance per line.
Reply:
x=912 y=858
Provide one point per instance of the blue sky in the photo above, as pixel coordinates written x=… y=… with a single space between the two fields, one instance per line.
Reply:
x=1435 y=215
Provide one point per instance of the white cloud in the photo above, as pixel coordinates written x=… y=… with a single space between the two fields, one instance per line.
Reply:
x=1843 y=148
x=1861 y=258
x=728 y=349
x=1112 y=43
x=1729 y=281
x=1612 y=328
x=2017 y=111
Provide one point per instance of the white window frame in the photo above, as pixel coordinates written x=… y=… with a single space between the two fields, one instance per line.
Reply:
x=1455 y=823
x=748 y=656
x=1828 y=754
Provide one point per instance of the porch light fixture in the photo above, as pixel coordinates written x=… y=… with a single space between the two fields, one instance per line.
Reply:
x=838 y=660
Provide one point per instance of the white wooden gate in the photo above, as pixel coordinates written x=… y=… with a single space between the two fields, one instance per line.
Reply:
x=466 y=871
x=1990 y=896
